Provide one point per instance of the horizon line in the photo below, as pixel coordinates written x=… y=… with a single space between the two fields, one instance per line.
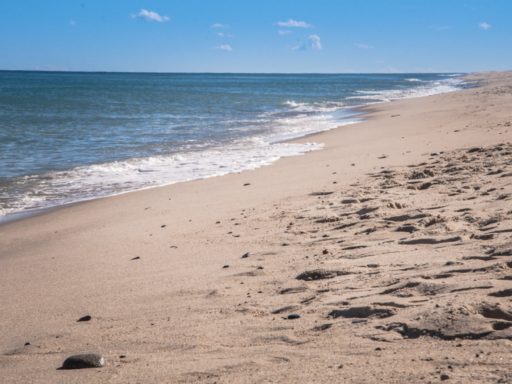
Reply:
x=237 y=73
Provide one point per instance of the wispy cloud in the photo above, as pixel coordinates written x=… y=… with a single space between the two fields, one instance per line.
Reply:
x=50 y=67
x=218 y=25
x=363 y=46
x=484 y=25
x=314 y=42
x=293 y=23
x=220 y=34
x=427 y=70
x=72 y=22
x=284 y=32
x=224 y=47
x=150 y=16
x=389 y=70
x=439 y=28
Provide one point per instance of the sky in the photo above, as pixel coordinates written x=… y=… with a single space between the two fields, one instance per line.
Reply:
x=246 y=36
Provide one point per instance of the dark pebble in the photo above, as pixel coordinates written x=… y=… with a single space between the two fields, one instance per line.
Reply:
x=259 y=268
x=246 y=184
x=340 y=366
x=285 y=244
x=293 y=316
x=445 y=377
x=122 y=356
x=378 y=349
x=226 y=266
x=246 y=255
x=451 y=263
x=136 y=258
x=28 y=343
x=87 y=360
x=85 y=318
x=438 y=306
x=163 y=226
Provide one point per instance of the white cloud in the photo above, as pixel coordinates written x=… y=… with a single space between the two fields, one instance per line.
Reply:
x=284 y=32
x=314 y=41
x=293 y=23
x=363 y=46
x=220 y=34
x=72 y=22
x=484 y=25
x=389 y=70
x=50 y=67
x=427 y=70
x=224 y=47
x=150 y=16
x=439 y=28
x=217 y=25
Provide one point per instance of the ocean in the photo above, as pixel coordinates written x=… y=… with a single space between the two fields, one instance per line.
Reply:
x=67 y=137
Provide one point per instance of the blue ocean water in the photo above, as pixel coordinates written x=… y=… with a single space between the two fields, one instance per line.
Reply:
x=67 y=137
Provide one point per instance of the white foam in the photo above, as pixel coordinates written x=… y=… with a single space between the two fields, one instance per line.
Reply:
x=432 y=88
x=196 y=161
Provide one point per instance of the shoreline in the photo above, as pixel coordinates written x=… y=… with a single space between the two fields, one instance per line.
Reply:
x=149 y=266
x=356 y=112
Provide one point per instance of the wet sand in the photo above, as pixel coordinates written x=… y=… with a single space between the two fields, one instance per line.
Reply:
x=393 y=244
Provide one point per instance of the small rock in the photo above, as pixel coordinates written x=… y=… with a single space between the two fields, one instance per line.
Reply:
x=451 y=263
x=85 y=318
x=384 y=157
x=218 y=222
x=246 y=255
x=259 y=268
x=246 y=184
x=87 y=360
x=285 y=244
x=28 y=343
x=122 y=356
x=226 y=266
x=378 y=349
x=293 y=316
x=445 y=377
x=325 y=251
x=340 y=366
x=355 y=321
x=136 y=258
x=163 y=226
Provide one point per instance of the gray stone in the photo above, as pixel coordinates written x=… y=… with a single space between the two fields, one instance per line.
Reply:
x=86 y=360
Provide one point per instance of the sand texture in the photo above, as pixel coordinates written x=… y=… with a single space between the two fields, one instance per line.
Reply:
x=393 y=245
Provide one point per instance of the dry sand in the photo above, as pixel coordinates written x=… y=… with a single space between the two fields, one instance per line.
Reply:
x=399 y=265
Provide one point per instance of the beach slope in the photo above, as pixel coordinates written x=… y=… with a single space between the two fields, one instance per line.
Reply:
x=392 y=247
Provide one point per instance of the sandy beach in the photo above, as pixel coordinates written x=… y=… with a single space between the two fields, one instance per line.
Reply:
x=393 y=246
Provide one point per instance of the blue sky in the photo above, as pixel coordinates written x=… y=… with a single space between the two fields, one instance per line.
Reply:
x=321 y=36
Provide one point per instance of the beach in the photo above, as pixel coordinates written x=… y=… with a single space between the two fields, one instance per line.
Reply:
x=392 y=244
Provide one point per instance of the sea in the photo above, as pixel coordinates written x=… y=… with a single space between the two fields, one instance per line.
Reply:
x=69 y=136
